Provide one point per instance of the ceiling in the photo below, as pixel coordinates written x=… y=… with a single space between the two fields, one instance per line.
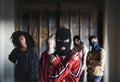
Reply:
x=57 y=1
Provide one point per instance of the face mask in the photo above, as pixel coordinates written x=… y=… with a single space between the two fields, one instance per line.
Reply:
x=63 y=39
x=95 y=45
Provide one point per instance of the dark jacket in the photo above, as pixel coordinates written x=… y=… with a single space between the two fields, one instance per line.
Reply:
x=26 y=64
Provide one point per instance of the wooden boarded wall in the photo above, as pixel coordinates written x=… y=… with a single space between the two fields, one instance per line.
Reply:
x=43 y=21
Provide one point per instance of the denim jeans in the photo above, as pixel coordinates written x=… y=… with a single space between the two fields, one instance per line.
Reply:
x=92 y=78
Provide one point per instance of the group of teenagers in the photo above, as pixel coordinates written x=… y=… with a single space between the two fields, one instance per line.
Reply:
x=58 y=63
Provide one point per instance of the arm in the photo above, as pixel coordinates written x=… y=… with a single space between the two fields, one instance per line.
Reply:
x=34 y=67
x=60 y=71
x=88 y=59
x=13 y=56
x=84 y=52
x=84 y=55
x=42 y=63
x=101 y=60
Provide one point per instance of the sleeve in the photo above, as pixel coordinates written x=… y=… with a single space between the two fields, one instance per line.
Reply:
x=13 y=56
x=41 y=67
x=33 y=76
x=88 y=59
x=84 y=52
x=84 y=55
x=59 y=71
x=101 y=60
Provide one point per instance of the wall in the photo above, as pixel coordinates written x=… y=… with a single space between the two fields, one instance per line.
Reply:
x=1 y=42
x=112 y=39
x=6 y=29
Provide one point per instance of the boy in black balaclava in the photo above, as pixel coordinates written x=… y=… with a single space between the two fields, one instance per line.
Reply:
x=64 y=63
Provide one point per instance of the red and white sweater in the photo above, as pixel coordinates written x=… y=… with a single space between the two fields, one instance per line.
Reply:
x=60 y=70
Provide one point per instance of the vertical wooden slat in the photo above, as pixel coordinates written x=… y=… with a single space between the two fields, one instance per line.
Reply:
x=52 y=22
x=70 y=23
x=25 y=20
x=79 y=20
x=48 y=21
x=40 y=41
x=74 y=23
x=38 y=33
x=64 y=18
x=17 y=16
x=85 y=27
x=93 y=22
x=30 y=22
x=43 y=31
x=21 y=14
x=58 y=12
x=70 y=27
x=17 y=20
x=80 y=15
x=34 y=27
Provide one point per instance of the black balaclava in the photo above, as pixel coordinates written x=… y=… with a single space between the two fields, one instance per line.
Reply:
x=62 y=37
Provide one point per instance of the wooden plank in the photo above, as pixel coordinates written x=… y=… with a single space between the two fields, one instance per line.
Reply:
x=25 y=21
x=33 y=27
x=43 y=31
x=64 y=18
x=17 y=21
x=93 y=22
x=84 y=27
x=74 y=23
x=52 y=22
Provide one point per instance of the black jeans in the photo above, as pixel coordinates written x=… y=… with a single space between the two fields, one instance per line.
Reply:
x=82 y=76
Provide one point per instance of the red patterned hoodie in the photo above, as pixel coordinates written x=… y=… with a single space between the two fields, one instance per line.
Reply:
x=60 y=70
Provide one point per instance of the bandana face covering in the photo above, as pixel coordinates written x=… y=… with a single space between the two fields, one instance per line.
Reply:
x=95 y=46
x=63 y=41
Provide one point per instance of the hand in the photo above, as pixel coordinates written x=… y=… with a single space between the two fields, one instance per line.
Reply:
x=75 y=57
x=91 y=61
x=83 y=66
